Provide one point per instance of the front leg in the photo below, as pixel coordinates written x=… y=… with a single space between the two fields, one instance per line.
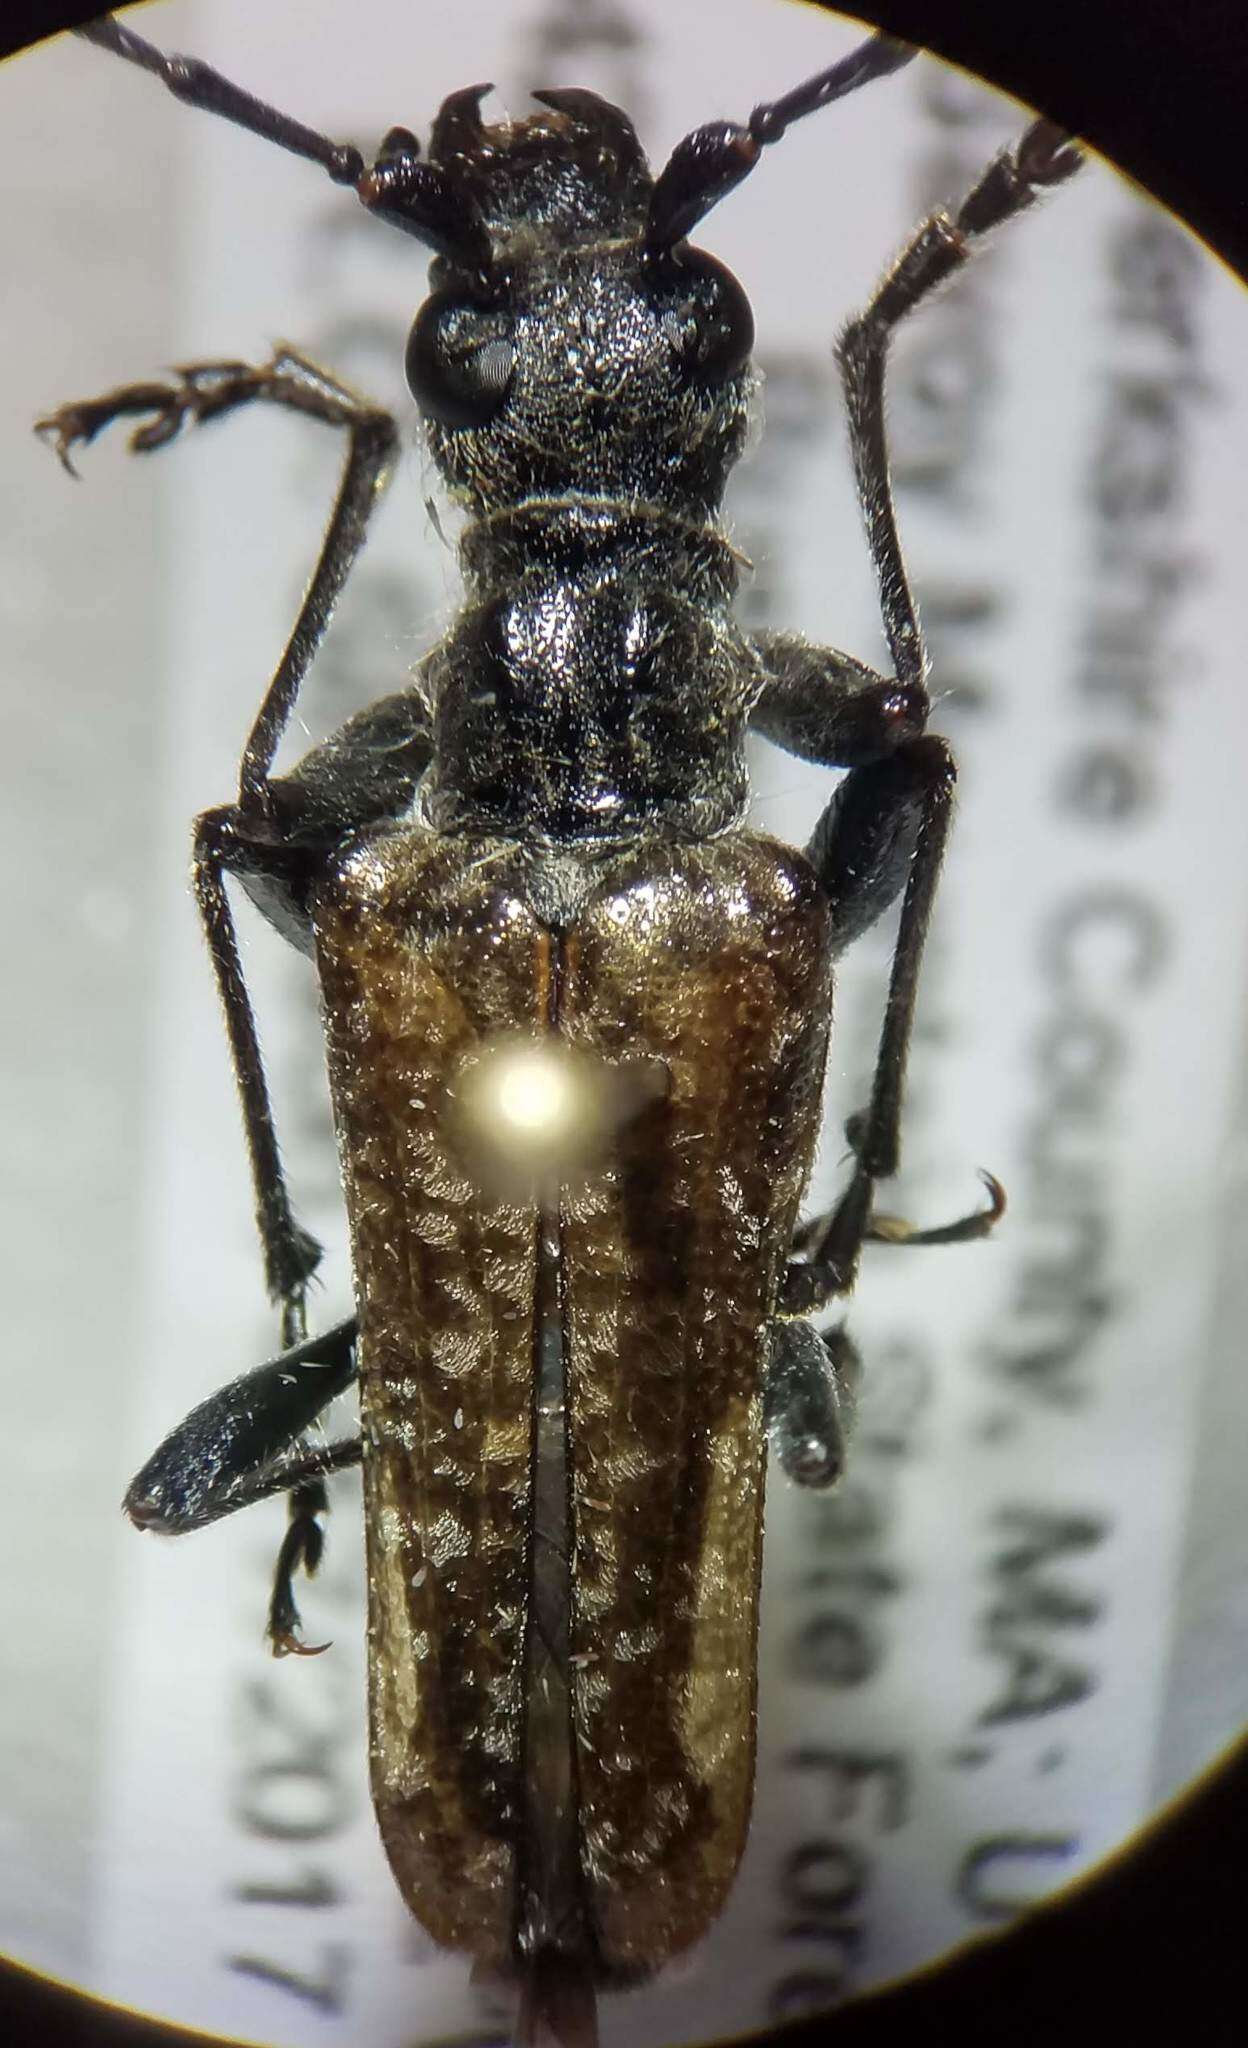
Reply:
x=1043 y=157
x=207 y=391
x=882 y=836
x=261 y=820
x=885 y=830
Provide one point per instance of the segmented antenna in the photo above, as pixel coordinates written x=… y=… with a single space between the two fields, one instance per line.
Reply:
x=435 y=207
x=415 y=196
x=708 y=163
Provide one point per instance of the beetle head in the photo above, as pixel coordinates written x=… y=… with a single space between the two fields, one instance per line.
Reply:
x=574 y=340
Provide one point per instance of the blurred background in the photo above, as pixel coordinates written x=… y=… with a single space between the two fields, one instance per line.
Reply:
x=1017 y=1627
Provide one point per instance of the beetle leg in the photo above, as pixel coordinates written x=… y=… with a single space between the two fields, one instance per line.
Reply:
x=883 y=1229
x=886 y=1229
x=886 y=826
x=208 y=391
x=291 y=1254
x=883 y=833
x=243 y=1444
x=205 y=391
x=365 y=773
x=811 y=1393
x=1044 y=156
x=828 y=707
x=303 y=1546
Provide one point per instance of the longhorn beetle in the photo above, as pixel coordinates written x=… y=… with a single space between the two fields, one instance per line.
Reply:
x=576 y=1020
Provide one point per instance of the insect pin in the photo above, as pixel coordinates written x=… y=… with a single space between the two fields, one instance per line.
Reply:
x=576 y=1020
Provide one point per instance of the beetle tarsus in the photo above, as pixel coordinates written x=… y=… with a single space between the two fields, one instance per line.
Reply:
x=289 y=1645
x=884 y=1229
x=201 y=391
x=302 y=1547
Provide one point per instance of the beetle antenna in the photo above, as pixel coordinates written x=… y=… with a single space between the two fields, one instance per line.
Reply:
x=708 y=163
x=200 y=86
x=415 y=196
x=878 y=57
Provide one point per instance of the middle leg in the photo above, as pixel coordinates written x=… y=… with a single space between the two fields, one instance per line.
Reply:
x=882 y=835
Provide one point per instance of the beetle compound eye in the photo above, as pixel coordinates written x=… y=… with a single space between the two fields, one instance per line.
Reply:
x=460 y=360
x=707 y=315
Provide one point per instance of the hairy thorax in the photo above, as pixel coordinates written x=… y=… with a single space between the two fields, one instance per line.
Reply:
x=597 y=683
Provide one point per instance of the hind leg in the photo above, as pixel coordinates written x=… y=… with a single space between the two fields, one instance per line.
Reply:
x=245 y=1443
x=811 y=1395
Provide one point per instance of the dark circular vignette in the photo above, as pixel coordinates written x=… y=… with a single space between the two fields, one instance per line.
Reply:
x=1158 y=88
x=1147 y=1948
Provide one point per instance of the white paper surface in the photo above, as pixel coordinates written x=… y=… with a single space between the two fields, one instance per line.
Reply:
x=1014 y=1626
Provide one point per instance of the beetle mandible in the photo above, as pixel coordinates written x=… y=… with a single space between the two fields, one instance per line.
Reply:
x=576 y=1020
